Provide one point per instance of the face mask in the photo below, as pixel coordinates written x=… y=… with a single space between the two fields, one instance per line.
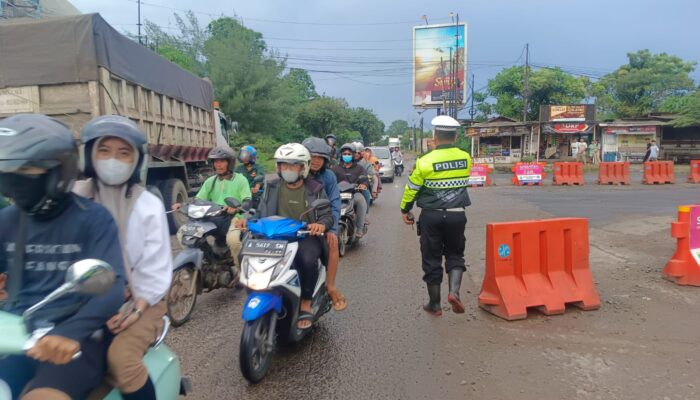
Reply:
x=347 y=158
x=290 y=176
x=25 y=190
x=113 y=172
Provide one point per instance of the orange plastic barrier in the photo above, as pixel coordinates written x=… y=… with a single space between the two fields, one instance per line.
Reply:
x=694 y=176
x=528 y=174
x=684 y=266
x=568 y=173
x=541 y=263
x=658 y=172
x=614 y=173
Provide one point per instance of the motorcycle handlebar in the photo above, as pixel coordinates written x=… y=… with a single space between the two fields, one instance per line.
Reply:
x=299 y=233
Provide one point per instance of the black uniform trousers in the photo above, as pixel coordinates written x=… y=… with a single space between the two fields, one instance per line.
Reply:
x=441 y=235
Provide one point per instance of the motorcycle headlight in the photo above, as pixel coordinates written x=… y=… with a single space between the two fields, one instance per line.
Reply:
x=192 y=230
x=346 y=196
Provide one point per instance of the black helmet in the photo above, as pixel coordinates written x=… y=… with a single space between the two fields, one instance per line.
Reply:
x=349 y=146
x=114 y=126
x=318 y=147
x=223 y=153
x=330 y=137
x=35 y=140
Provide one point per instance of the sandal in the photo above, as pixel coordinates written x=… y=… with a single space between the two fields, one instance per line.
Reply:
x=305 y=316
x=338 y=300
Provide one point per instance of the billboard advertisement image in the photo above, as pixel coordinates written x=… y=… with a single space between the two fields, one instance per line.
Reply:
x=436 y=51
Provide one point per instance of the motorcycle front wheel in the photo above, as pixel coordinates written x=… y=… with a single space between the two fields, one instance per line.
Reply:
x=343 y=240
x=255 y=353
x=182 y=296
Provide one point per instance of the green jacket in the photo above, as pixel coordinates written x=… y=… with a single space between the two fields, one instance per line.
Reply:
x=255 y=175
x=439 y=180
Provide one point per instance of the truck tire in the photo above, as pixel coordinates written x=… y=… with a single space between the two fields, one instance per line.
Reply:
x=174 y=191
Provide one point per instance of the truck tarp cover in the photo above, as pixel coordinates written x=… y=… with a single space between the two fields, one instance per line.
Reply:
x=69 y=50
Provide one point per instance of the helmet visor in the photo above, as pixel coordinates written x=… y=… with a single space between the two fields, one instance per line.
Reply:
x=14 y=165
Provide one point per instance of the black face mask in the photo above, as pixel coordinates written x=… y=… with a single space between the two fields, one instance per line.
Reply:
x=25 y=190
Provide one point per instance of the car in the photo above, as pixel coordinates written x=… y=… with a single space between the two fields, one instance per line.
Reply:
x=386 y=169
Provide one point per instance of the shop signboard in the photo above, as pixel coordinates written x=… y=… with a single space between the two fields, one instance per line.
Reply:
x=478 y=174
x=567 y=113
x=630 y=130
x=529 y=172
x=571 y=128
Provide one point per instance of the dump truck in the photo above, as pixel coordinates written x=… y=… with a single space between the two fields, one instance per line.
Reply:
x=79 y=67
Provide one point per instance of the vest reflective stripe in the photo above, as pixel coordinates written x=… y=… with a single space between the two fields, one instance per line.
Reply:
x=446 y=183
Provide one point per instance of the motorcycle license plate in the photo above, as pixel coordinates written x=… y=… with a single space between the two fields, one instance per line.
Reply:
x=264 y=248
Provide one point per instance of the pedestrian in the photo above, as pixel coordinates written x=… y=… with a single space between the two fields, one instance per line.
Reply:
x=574 y=149
x=582 y=150
x=439 y=185
x=653 y=151
x=594 y=148
x=648 y=153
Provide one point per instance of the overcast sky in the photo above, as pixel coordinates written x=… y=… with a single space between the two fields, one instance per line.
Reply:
x=362 y=49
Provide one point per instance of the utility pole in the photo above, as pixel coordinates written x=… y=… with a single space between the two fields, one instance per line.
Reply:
x=472 y=111
x=526 y=86
x=421 y=132
x=139 y=24
x=455 y=69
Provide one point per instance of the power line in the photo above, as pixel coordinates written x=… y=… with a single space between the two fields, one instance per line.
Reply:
x=417 y=22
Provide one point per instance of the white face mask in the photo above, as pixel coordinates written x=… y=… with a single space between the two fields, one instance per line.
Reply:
x=113 y=172
x=290 y=176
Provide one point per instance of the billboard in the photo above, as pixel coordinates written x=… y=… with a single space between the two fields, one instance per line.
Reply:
x=436 y=48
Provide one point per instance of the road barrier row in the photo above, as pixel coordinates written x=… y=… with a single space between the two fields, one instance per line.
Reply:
x=568 y=173
x=572 y=173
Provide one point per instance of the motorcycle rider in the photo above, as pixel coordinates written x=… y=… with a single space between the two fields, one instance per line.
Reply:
x=254 y=172
x=217 y=189
x=320 y=161
x=54 y=228
x=290 y=198
x=397 y=156
x=350 y=171
x=113 y=153
x=372 y=174
x=368 y=155
x=332 y=141
x=439 y=185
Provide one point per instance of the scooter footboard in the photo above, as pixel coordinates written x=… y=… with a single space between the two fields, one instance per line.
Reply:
x=258 y=304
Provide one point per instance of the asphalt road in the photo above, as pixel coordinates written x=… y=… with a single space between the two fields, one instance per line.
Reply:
x=643 y=343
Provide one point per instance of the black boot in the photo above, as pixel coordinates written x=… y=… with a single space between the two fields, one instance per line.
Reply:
x=147 y=392
x=433 y=305
x=455 y=277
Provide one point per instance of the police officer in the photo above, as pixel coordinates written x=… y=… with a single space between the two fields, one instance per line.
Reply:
x=439 y=185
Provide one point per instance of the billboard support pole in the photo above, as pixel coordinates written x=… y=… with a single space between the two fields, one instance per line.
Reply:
x=455 y=69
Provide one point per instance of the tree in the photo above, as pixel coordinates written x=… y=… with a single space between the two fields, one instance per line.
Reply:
x=322 y=116
x=643 y=84
x=397 y=128
x=689 y=111
x=546 y=86
x=366 y=122
x=248 y=82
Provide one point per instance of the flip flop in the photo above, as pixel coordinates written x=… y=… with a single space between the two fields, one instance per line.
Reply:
x=339 y=301
x=305 y=316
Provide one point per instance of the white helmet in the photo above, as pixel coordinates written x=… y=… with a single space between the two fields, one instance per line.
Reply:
x=445 y=123
x=359 y=147
x=294 y=153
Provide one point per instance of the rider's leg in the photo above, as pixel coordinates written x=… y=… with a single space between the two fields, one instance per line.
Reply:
x=233 y=241
x=332 y=267
x=361 y=211
x=431 y=247
x=15 y=372
x=306 y=264
x=75 y=379
x=125 y=355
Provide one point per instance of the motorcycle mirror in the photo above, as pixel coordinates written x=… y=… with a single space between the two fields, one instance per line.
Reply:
x=89 y=276
x=232 y=202
x=247 y=205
